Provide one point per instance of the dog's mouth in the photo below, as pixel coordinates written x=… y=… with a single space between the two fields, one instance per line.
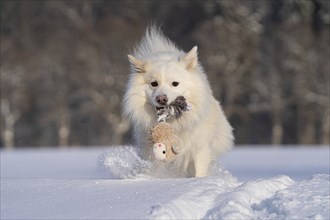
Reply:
x=179 y=103
x=159 y=108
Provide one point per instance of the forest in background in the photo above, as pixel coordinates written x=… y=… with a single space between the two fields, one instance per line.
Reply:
x=64 y=67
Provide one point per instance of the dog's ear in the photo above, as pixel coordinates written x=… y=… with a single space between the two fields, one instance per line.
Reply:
x=138 y=65
x=190 y=59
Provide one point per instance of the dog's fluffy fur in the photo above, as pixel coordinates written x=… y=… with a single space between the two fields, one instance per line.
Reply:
x=204 y=130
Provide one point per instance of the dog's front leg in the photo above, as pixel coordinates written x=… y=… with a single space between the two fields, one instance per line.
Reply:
x=202 y=162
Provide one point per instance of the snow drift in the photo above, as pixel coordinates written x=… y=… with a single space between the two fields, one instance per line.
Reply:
x=114 y=183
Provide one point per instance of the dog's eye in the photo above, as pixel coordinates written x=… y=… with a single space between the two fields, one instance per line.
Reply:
x=175 y=84
x=164 y=152
x=154 y=84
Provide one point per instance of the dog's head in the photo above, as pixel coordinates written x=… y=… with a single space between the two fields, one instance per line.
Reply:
x=160 y=73
x=166 y=78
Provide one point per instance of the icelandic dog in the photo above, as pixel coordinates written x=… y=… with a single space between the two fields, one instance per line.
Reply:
x=160 y=72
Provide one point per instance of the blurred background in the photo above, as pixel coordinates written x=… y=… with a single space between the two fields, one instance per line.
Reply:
x=64 y=67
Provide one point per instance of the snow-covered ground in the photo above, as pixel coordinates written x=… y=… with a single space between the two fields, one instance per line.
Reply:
x=110 y=183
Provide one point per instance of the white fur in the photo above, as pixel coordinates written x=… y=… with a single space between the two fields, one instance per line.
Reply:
x=204 y=130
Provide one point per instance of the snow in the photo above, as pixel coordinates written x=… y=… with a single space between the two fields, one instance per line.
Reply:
x=114 y=183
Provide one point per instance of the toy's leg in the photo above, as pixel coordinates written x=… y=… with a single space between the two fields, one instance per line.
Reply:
x=176 y=149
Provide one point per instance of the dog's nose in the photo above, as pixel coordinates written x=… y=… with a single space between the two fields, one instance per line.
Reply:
x=161 y=99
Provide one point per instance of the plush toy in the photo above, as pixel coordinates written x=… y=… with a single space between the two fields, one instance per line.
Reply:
x=173 y=109
x=165 y=142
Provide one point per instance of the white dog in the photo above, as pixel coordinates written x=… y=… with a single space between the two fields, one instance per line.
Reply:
x=160 y=72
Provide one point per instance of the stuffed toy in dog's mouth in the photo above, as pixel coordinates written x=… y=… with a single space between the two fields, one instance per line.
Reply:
x=175 y=108
x=179 y=102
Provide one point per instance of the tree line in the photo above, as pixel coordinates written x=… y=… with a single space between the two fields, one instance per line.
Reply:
x=64 y=67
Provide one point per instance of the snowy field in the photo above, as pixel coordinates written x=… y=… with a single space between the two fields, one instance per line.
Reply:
x=111 y=183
